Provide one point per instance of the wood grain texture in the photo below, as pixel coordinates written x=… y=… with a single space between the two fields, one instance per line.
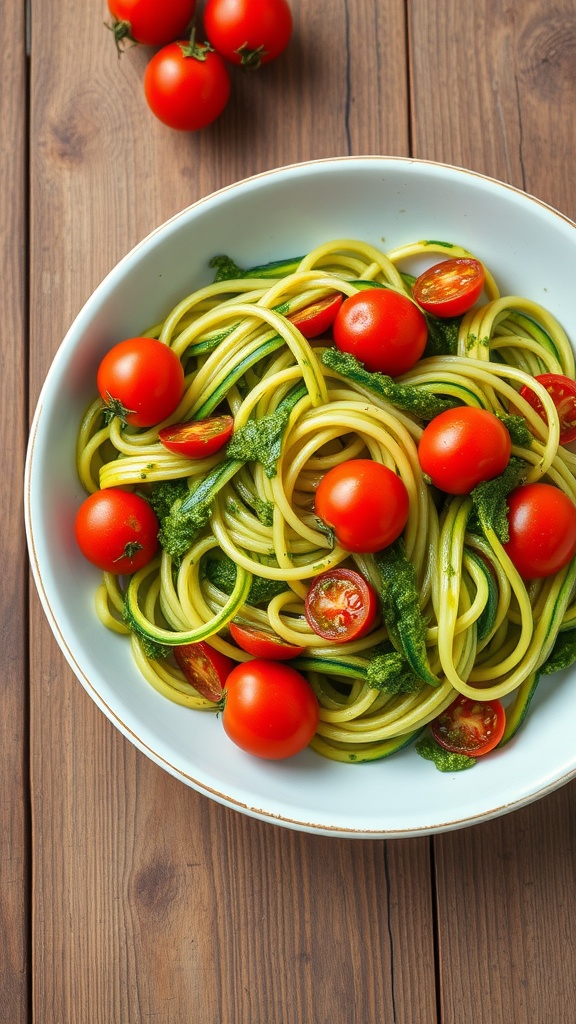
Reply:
x=14 y=830
x=149 y=902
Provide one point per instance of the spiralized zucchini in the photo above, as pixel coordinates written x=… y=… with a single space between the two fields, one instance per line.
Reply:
x=242 y=355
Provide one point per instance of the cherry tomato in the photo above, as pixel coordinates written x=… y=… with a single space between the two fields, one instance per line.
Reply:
x=341 y=605
x=364 y=503
x=472 y=727
x=562 y=391
x=462 y=447
x=205 y=668
x=198 y=438
x=450 y=287
x=542 y=528
x=117 y=530
x=248 y=32
x=186 y=85
x=383 y=329
x=270 y=710
x=151 y=22
x=141 y=380
x=262 y=643
x=317 y=318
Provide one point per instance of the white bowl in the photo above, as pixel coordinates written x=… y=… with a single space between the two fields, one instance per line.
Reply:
x=530 y=248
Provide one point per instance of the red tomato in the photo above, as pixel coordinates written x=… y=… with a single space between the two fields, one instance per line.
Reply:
x=262 y=643
x=141 y=380
x=472 y=727
x=462 y=447
x=449 y=288
x=270 y=709
x=248 y=32
x=316 y=319
x=542 y=527
x=364 y=503
x=341 y=605
x=205 y=668
x=383 y=329
x=199 y=438
x=117 y=530
x=186 y=85
x=562 y=390
x=151 y=22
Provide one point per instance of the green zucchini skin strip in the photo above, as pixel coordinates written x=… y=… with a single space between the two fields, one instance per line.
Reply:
x=143 y=627
x=356 y=755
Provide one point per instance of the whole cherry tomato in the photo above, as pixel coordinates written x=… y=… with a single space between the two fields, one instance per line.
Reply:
x=187 y=85
x=141 y=380
x=462 y=447
x=364 y=503
x=542 y=527
x=270 y=709
x=151 y=22
x=117 y=530
x=383 y=329
x=248 y=32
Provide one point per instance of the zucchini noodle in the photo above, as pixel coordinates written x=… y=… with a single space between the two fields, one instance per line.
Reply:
x=487 y=631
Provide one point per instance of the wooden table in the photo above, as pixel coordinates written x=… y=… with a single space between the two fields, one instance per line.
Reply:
x=124 y=896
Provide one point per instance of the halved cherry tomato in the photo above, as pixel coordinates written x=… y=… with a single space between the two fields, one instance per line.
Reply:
x=562 y=391
x=364 y=503
x=141 y=380
x=462 y=447
x=316 y=319
x=198 y=438
x=117 y=530
x=383 y=329
x=542 y=528
x=341 y=605
x=262 y=643
x=205 y=668
x=472 y=727
x=450 y=287
x=270 y=709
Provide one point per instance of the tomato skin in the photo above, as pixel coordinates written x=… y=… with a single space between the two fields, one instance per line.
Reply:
x=117 y=530
x=197 y=439
x=262 y=643
x=462 y=447
x=141 y=380
x=562 y=390
x=248 y=32
x=341 y=605
x=317 y=318
x=270 y=709
x=383 y=329
x=364 y=502
x=542 y=527
x=471 y=727
x=151 y=22
x=451 y=287
x=205 y=668
x=187 y=86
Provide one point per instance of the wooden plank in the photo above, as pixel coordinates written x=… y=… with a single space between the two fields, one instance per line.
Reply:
x=494 y=90
x=148 y=899
x=14 y=830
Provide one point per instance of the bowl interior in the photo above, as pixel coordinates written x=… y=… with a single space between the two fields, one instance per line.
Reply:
x=530 y=249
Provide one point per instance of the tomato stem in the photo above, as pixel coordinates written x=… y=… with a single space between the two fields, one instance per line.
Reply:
x=121 y=30
x=250 y=59
x=193 y=49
